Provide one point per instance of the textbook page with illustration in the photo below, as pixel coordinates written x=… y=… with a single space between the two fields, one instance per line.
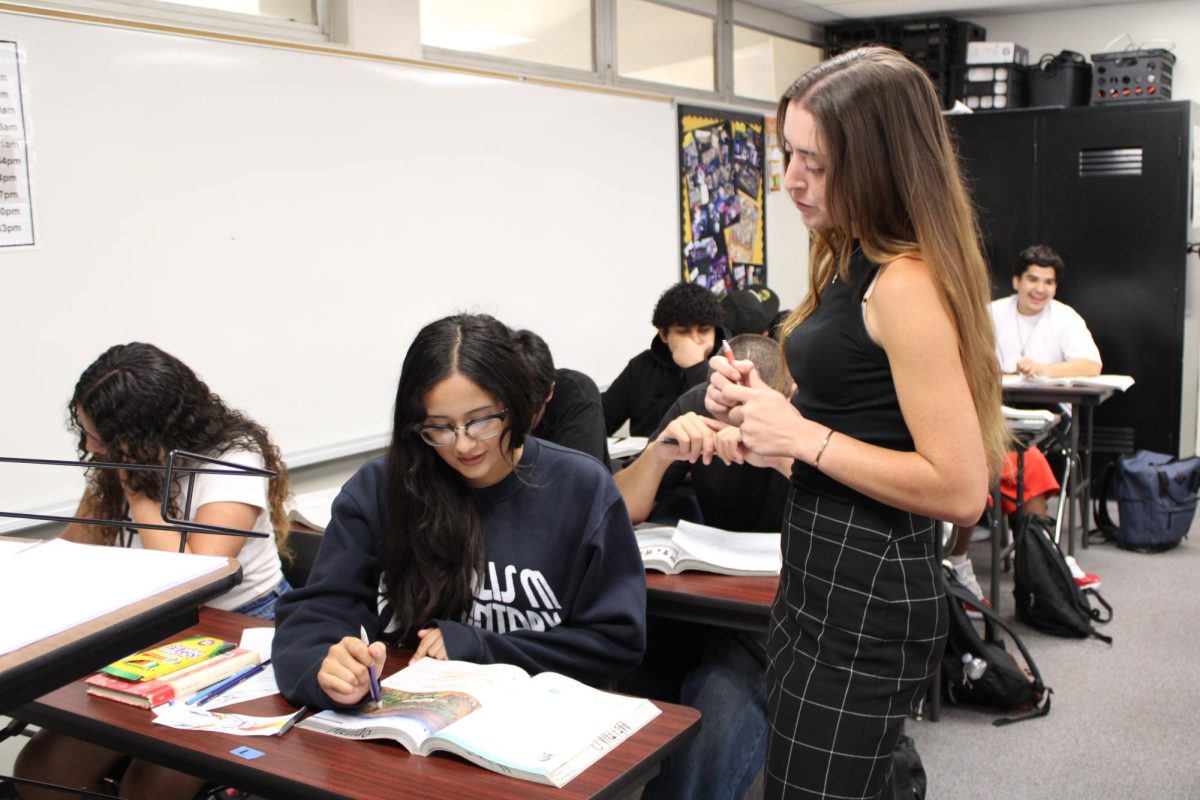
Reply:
x=547 y=728
x=690 y=545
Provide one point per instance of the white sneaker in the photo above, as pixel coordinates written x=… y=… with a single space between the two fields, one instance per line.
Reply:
x=965 y=572
x=981 y=534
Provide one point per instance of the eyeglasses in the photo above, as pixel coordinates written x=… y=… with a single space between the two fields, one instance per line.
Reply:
x=488 y=427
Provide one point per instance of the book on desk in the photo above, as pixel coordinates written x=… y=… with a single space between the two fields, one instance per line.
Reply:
x=691 y=546
x=1118 y=383
x=547 y=728
x=175 y=686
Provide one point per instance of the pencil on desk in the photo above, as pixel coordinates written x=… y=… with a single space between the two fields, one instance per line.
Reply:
x=287 y=726
x=219 y=689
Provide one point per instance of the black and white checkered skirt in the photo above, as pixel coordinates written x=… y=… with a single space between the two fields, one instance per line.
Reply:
x=856 y=633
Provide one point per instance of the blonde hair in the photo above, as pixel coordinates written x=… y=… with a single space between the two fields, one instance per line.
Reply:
x=892 y=177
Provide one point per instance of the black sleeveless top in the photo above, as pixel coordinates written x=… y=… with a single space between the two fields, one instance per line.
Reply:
x=843 y=379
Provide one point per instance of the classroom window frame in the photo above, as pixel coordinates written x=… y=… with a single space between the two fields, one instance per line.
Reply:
x=486 y=61
x=605 y=70
x=163 y=12
x=742 y=99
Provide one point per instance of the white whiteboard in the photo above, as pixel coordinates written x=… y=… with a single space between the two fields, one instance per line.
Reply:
x=284 y=222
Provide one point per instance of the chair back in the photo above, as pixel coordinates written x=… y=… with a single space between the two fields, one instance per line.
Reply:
x=304 y=545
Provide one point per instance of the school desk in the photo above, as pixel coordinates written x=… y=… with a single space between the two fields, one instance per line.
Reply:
x=1083 y=401
x=305 y=765
x=37 y=668
x=730 y=601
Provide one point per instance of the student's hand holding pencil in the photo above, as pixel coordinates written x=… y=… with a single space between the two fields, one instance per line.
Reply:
x=689 y=437
x=344 y=674
x=769 y=425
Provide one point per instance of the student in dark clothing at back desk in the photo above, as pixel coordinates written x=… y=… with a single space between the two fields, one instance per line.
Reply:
x=720 y=671
x=735 y=497
x=572 y=414
x=687 y=318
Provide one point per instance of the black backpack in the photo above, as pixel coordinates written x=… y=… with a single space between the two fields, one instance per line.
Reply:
x=1156 y=498
x=1048 y=598
x=909 y=781
x=1003 y=683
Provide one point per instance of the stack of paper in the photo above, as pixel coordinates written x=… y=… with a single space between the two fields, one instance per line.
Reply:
x=67 y=584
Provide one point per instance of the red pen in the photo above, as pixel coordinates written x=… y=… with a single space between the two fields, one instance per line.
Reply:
x=727 y=351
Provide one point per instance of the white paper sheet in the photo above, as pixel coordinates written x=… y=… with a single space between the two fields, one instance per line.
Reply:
x=63 y=584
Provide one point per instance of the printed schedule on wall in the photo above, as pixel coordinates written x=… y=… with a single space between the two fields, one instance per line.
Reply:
x=16 y=207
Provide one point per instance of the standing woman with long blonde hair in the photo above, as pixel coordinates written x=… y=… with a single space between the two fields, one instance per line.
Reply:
x=895 y=423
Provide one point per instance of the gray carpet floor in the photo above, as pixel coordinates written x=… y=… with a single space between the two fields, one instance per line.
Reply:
x=1122 y=716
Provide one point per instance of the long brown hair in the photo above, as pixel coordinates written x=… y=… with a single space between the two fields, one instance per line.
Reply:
x=145 y=402
x=893 y=182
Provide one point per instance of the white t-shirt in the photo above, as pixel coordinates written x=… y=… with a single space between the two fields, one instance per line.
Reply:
x=1055 y=335
x=261 y=570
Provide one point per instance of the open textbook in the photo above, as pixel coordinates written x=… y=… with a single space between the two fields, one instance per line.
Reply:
x=1119 y=383
x=626 y=447
x=1029 y=420
x=546 y=729
x=699 y=547
x=313 y=509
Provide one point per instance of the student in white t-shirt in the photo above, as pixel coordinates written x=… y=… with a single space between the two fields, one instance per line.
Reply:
x=134 y=405
x=1036 y=335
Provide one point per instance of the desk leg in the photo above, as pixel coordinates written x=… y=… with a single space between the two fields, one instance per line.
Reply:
x=1074 y=477
x=997 y=543
x=1086 y=512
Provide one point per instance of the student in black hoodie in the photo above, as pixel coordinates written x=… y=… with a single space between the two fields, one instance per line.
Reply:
x=469 y=540
x=687 y=317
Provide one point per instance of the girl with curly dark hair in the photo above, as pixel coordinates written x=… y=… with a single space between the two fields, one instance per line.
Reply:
x=134 y=405
x=470 y=540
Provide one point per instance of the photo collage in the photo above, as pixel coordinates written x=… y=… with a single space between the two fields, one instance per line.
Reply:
x=722 y=167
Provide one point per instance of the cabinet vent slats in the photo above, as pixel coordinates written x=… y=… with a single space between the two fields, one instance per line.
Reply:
x=1108 y=161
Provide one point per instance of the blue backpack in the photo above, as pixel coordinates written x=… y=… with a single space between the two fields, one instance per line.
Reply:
x=1156 y=500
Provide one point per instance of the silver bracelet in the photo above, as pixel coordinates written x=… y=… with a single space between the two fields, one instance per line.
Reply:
x=821 y=449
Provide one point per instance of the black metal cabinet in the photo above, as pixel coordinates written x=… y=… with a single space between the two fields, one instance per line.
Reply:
x=1110 y=189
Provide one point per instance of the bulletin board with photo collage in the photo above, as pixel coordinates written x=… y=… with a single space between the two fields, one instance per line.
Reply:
x=721 y=165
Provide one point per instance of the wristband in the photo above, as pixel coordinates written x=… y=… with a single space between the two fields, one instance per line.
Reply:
x=821 y=449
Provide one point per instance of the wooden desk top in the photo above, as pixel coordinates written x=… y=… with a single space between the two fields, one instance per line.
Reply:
x=314 y=766
x=726 y=600
x=51 y=662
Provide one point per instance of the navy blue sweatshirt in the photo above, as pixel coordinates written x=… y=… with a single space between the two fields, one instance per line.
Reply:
x=563 y=589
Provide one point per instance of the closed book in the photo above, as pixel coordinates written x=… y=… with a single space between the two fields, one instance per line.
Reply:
x=176 y=686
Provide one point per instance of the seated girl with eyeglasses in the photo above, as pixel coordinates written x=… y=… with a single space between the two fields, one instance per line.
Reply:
x=469 y=540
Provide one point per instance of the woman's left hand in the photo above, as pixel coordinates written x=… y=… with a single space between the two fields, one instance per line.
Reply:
x=432 y=645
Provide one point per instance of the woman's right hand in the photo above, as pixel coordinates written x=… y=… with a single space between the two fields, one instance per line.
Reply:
x=724 y=374
x=343 y=674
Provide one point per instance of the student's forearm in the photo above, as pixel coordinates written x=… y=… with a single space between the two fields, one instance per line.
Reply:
x=1075 y=368
x=80 y=533
x=639 y=481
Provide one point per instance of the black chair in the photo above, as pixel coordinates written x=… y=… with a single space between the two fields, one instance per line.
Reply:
x=304 y=546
